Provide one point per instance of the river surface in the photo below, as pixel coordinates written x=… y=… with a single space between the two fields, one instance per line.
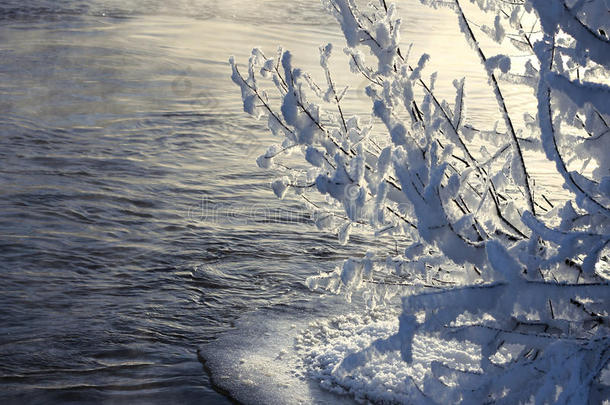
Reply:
x=135 y=225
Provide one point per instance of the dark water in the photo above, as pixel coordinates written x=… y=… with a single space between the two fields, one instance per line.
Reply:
x=134 y=224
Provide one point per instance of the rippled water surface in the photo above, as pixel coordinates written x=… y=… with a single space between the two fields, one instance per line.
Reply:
x=134 y=223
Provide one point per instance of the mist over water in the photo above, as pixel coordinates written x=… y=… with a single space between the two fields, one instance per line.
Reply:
x=135 y=225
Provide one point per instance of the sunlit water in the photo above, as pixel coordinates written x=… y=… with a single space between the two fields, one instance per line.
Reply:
x=134 y=224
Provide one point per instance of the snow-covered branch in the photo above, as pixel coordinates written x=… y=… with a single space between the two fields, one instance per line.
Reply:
x=486 y=258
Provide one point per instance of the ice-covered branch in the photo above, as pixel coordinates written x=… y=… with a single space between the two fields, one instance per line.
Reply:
x=486 y=259
x=489 y=68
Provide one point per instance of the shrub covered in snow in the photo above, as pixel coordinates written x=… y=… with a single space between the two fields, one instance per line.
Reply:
x=488 y=260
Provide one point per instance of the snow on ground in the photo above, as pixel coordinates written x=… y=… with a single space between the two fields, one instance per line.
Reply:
x=385 y=377
x=257 y=363
x=291 y=355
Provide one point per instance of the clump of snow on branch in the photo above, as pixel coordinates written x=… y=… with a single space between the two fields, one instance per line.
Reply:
x=488 y=262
